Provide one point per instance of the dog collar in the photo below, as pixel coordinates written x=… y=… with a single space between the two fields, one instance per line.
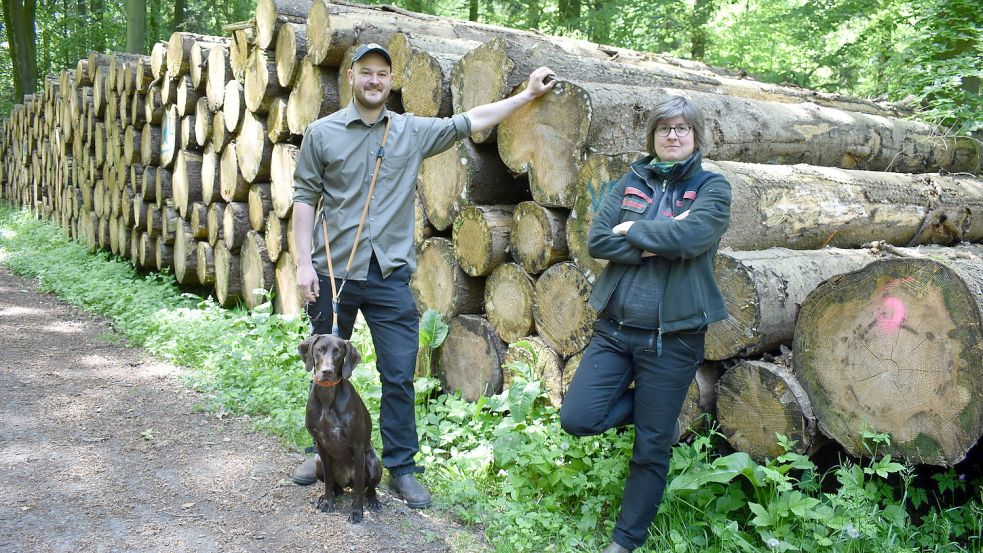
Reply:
x=323 y=383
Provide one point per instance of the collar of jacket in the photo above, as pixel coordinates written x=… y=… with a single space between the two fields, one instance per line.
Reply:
x=681 y=171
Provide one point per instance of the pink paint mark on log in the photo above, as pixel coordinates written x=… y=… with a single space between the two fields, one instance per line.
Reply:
x=890 y=315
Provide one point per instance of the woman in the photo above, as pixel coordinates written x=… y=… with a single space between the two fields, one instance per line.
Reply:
x=659 y=228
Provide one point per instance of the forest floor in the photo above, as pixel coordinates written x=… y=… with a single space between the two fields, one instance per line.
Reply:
x=103 y=448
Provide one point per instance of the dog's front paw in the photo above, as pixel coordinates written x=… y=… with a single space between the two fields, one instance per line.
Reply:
x=325 y=504
x=355 y=517
x=372 y=502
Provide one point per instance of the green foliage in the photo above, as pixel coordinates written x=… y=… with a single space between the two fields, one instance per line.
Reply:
x=504 y=462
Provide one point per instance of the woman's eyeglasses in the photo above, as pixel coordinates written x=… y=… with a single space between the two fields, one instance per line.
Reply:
x=681 y=130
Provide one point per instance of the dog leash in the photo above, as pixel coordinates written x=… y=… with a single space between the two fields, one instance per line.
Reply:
x=336 y=293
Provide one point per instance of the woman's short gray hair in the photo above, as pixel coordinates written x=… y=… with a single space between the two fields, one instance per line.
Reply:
x=675 y=106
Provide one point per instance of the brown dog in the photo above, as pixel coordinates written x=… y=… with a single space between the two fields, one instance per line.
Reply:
x=340 y=424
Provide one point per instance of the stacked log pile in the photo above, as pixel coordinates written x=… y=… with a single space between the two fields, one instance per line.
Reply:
x=183 y=160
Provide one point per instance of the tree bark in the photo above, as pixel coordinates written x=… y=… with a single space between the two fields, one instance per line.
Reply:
x=897 y=348
x=763 y=291
x=481 y=238
x=563 y=317
x=439 y=283
x=470 y=359
x=756 y=401
x=198 y=217
x=216 y=222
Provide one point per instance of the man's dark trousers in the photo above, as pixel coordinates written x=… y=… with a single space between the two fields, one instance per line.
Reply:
x=390 y=311
x=599 y=399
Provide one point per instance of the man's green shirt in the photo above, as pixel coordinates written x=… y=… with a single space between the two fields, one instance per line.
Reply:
x=337 y=158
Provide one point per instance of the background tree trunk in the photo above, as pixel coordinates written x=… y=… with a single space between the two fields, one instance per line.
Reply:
x=136 y=25
x=18 y=19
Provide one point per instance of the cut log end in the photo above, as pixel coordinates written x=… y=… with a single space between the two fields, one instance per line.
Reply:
x=897 y=347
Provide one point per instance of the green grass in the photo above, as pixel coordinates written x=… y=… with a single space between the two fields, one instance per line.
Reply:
x=503 y=463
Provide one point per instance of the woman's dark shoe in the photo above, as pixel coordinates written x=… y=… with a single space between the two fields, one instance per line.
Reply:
x=410 y=490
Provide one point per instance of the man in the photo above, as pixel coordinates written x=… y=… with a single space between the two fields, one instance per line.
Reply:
x=336 y=165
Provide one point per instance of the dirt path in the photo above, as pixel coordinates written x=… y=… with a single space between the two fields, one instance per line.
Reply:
x=103 y=449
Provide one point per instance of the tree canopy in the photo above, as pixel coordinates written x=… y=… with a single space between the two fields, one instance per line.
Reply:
x=928 y=54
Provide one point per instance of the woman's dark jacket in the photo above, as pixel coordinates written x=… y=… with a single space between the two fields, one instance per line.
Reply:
x=691 y=298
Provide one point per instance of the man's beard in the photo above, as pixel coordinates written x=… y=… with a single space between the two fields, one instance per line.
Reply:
x=365 y=103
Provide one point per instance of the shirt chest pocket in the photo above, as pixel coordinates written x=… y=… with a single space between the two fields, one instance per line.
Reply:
x=635 y=200
x=394 y=173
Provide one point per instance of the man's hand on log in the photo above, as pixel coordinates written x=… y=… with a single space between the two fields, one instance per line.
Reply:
x=541 y=80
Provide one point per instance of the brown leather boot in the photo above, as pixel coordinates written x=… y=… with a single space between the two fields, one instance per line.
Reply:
x=407 y=487
x=305 y=474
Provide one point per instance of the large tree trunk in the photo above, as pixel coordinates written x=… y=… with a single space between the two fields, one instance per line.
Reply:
x=282 y=178
x=314 y=95
x=532 y=353
x=538 y=238
x=763 y=291
x=228 y=275
x=481 y=238
x=897 y=347
x=803 y=207
x=756 y=401
x=274 y=15
x=463 y=175
x=550 y=137
x=509 y=298
x=563 y=316
x=439 y=283
x=291 y=47
x=403 y=46
x=136 y=25
x=287 y=300
x=257 y=269
x=18 y=17
x=471 y=358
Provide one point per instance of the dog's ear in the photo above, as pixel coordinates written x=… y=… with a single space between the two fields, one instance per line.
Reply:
x=304 y=349
x=352 y=359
